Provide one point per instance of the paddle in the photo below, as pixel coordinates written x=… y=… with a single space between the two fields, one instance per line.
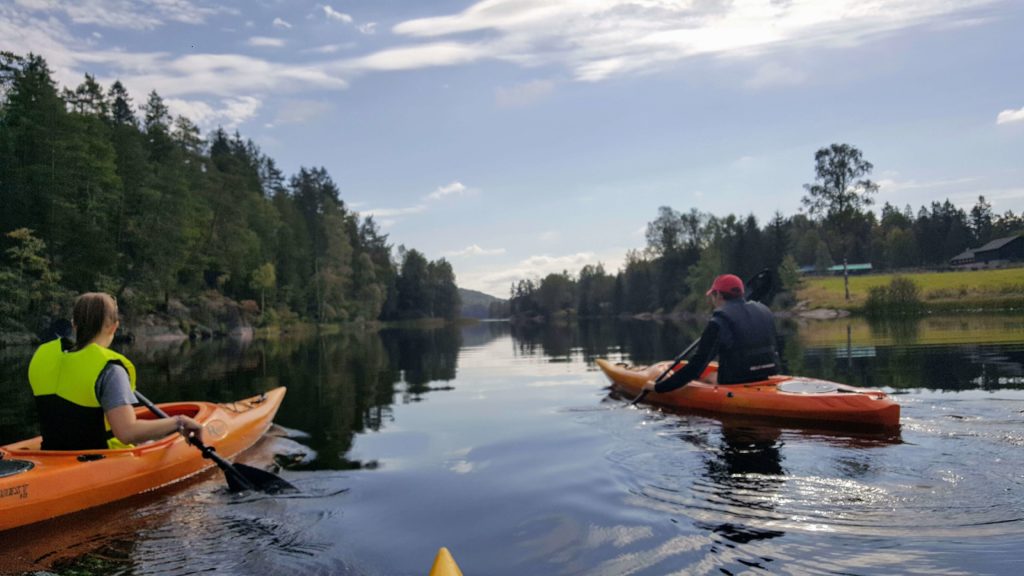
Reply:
x=240 y=477
x=760 y=288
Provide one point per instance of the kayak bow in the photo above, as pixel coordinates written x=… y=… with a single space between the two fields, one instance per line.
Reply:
x=444 y=564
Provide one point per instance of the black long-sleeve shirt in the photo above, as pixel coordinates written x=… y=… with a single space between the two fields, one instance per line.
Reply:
x=706 y=351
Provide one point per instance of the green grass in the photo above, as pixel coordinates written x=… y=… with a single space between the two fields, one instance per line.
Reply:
x=939 y=290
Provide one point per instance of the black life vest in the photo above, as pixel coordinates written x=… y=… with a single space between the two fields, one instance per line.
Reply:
x=746 y=342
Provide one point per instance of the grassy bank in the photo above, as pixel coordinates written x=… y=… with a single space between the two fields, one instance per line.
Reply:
x=939 y=291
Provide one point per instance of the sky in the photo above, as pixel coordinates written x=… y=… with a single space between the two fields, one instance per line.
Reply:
x=516 y=138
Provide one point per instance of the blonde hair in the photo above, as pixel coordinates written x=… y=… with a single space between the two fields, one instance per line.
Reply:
x=91 y=312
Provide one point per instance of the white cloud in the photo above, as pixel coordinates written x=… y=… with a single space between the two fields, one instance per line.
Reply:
x=300 y=111
x=474 y=250
x=124 y=14
x=229 y=113
x=772 y=75
x=333 y=14
x=368 y=28
x=415 y=57
x=893 y=185
x=1007 y=116
x=496 y=280
x=264 y=41
x=456 y=188
x=524 y=94
x=598 y=39
x=534 y=267
x=215 y=74
x=391 y=212
x=331 y=48
x=744 y=162
x=280 y=23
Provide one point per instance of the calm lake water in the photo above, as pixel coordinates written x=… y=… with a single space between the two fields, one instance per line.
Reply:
x=503 y=444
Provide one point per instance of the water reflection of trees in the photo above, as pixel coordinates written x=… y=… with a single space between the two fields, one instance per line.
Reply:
x=18 y=401
x=951 y=367
x=643 y=341
x=339 y=385
x=423 y=356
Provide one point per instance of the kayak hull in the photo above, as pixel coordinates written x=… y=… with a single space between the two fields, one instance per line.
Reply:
x=840 y=406
x=63 y=482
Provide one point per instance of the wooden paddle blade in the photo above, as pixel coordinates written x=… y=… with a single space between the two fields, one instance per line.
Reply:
x=264 y=481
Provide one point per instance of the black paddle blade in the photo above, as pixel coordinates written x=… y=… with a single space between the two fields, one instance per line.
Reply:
x=762 y=287
x=641 y=396
x=261 y=481
x=242 y=478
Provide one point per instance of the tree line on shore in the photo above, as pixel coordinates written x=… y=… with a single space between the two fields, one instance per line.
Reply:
x=685 y=250
x=99 y=194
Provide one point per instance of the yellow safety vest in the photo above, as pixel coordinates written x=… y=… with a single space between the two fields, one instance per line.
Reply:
x=64 y=384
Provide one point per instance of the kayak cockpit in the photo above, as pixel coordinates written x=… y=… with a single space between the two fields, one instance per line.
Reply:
x=199 y=411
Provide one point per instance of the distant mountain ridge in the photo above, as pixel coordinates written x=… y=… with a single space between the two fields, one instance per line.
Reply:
x=476 y=304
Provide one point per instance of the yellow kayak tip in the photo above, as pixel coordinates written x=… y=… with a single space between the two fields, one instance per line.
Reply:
x=444 y=564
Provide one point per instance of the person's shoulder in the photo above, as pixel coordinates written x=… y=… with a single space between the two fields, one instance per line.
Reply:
x=113 y=372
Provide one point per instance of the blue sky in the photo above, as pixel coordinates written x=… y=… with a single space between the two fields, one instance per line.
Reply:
x=517 y=138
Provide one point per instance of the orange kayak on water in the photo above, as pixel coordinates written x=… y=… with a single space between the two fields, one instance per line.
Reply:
x=37 y=485
x=780 y=397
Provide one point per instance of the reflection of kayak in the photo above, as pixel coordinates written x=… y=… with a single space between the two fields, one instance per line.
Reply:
x=782 y=397
x=444 y=564
x=40 y=484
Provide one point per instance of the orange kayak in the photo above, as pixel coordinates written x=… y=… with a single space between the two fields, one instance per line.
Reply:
x=39 y=484
x=781 y=397
x=444 y=564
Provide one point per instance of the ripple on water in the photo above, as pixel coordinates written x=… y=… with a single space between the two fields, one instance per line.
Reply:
x=208 y=530
x=745 y=487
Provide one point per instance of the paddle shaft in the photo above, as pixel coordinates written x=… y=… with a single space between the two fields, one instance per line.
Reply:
x=229 y=470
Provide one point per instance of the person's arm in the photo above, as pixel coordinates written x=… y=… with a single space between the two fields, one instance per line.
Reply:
x=706 y=351
x=116 y=397
x=132 y=430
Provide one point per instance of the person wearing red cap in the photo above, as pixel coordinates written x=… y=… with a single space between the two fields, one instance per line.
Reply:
x=742 y=335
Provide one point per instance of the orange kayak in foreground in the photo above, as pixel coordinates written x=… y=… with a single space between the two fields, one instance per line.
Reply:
x=444 y=564
x=780 y=397
x=37 y=485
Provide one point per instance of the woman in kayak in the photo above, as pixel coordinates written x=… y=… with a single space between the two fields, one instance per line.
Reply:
x=741 y=333
x=85 y=392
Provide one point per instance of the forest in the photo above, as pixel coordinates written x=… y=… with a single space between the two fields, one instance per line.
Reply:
x=685 y=250
x=98 y=193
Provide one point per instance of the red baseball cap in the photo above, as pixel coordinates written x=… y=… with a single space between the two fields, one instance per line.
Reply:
x=727 y=284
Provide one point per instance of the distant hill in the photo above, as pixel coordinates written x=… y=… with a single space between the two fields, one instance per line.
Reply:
x=476 y=304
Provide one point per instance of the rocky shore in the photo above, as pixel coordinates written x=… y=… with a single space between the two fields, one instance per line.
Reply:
x=209 y=315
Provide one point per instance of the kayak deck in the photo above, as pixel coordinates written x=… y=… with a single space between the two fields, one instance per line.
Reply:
x=444 y=564
x=58 y=482
x=780 y=397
